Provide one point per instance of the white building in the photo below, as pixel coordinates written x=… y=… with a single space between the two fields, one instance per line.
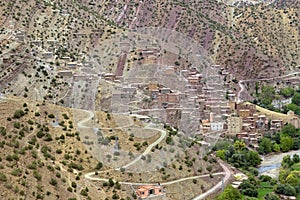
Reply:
x=216 y=126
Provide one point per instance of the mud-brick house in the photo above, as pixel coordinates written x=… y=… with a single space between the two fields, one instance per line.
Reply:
x=147 y=191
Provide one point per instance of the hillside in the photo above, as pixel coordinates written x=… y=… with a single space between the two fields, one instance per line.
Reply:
x=63 y=70
x=252 y=41
x=260 y=40
x=39 y=159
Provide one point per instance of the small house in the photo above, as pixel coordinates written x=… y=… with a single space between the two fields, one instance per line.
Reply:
x=146 y=191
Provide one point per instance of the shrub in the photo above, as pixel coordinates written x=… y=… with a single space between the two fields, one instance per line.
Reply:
x=37 y=175
x=251 y=192
x=18 y=114
x=3 y=131
x=265 y=178
x=16 y=172
x=3 y=178
x=271 y=196
x=51 y=116
x=70 y=189
x=83 y=192
x=17 y=125
x=285 y=189
x=99 y=166
x=73 y=184
x=58 y=151
x=65 y=116
x=53 y=182
x=115 y=196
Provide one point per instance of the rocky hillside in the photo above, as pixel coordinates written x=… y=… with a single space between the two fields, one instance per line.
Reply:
x=38 y=159
x=256 y=40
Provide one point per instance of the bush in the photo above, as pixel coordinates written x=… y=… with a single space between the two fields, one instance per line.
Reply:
x=9 y=158
x=111 y=182
x=53 y=182
x=37 y=175
x=16 y=172
x=99 y=166
x=115 y=196
x=70 y=189
x=17 y=125
x=74 y=185
x=83 y=192
x=3 y=131
x=58 y=151
x=285 y=189
x=65 y=116
x=230 y=193
x=271 y=196
x=253 y=171
x=265 y=178
x=3 y=178
x=40 y=134
x=51 y=116
x=18 y=114
x=251 y=192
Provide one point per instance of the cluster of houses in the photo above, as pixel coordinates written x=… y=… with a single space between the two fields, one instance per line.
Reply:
x=216 y=108
x=206 y=96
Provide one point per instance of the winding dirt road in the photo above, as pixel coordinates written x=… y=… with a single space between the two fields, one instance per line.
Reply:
x=239 y=99
x=227 y=172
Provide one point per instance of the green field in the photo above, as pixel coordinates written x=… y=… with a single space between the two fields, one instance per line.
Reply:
x=296 y=167
x=264 y=189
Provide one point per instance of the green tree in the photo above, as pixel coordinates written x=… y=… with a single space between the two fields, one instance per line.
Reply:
x=73 y=184
x=289 y=130
x=84 y=192
x=296 y=158
x=271 y=196
x=283 y=173
x=253 y=158
x=239 y=145
x=287 y=92
x=287 y=161
x=18 y=114
x=265 y=178
x=53 y=182
x=221 y=154
x=251 y=192
x=111 y=182
x=99 y=166
x=296 y=99
x=230 y=193
x=276 y=148
x=285 y=189
x=267 y=95
x=293 y=179
x=3 y=177
x=293 y=107
x=286 y=143
x=265 y=146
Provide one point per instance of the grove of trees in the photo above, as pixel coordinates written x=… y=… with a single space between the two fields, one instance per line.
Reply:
x=287 y=139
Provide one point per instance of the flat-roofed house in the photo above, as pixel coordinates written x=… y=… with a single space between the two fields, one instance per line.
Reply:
x=146 y=191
